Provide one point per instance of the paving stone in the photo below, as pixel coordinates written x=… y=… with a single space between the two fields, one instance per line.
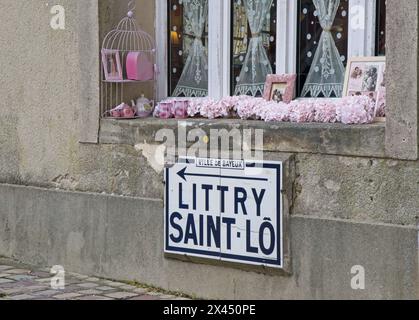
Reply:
x=46 y=280
x=140 y=291
x=34 y=288
x=13 y=290
x=113 y=283
x=88 y=285
x=19 y=271
x=145 y=297
x=127 y=287
x=167 y=297
x=121 y=295
x=21 y=277
x=105 y=288
x=66 y=296
x=3 y=280
x=21 y=289
x=49 y=292
x=73 y=288
x=90 y=292
x=21 y=297
x=2 y=268
x=41 y=274
x=78 y=276
x=91 y=298
x=92 y=279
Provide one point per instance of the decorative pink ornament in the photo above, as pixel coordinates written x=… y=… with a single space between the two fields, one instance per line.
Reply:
x=181 y=109
x=128 y=112
x=115 y=113
x=164 y=110
x=139 y=67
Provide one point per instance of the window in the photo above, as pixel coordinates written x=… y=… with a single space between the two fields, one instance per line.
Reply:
x=218 y=47
x=188 y=55
x=322 y=47
x=253 y=45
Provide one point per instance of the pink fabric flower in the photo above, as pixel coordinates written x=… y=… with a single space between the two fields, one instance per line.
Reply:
x=355 y=110
x=325 y=111
x=163 y=110
x=273 y=111
x=248 y=107
x=381 y=104
x=302 y=111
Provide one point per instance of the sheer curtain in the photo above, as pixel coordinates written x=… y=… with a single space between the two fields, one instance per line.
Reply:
x=194 y=79
x=256 y=65
x=327 y=72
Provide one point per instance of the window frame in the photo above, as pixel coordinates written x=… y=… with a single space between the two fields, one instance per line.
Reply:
x=361 y=41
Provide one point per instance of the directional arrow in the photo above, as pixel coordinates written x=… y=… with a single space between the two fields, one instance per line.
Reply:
x=182 y=173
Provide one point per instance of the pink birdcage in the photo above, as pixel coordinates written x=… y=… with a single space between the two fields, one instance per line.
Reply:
x=128 y=60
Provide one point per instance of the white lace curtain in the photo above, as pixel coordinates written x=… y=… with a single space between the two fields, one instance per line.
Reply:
x=327 y=72
x=256 y=65
x=194 y=79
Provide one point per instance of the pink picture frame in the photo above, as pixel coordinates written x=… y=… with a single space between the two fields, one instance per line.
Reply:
x=112 y=67
x=280 y=87
x=365 y=76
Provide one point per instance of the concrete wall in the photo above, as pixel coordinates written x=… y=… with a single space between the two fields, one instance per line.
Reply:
x=347 y=209
x=122 y=238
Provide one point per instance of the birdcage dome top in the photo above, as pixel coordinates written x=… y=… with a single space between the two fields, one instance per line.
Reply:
x=128 y=35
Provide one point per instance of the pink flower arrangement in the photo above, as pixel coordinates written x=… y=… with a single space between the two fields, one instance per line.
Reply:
x=381 y=104
x=302 y=111
x=355 y=110
x=325 y=112
x=348 y=110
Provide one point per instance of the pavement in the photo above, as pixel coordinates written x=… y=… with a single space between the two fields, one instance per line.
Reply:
x=22 y=282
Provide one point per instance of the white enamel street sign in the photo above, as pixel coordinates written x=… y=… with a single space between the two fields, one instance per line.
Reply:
x=228 y=210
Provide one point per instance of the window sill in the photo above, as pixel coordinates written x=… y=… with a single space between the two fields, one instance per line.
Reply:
x=332 y=139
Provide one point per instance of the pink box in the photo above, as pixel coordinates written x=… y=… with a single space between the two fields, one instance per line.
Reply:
x=139 y=67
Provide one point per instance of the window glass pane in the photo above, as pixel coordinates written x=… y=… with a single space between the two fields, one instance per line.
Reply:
x=319 y=54
x=380 y=48
x=188 y=56
x=253 y=45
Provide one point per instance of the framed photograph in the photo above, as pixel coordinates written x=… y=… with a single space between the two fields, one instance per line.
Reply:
x=366 y=76
x=280 y=88
x=111 y=61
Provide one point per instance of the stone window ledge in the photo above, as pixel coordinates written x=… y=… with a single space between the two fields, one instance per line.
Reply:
x=332 y=139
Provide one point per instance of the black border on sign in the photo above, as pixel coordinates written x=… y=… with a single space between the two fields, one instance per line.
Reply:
x=278 y=263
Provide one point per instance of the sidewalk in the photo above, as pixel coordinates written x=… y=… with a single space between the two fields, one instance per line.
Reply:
x=20 y=282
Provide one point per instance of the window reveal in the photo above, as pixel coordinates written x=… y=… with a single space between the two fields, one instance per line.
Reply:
x=188 y=56
x=380 y=47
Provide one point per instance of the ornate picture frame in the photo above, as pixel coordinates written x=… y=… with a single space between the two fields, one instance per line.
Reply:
x=112 y=67
x=366 y=76
x=280 y=87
